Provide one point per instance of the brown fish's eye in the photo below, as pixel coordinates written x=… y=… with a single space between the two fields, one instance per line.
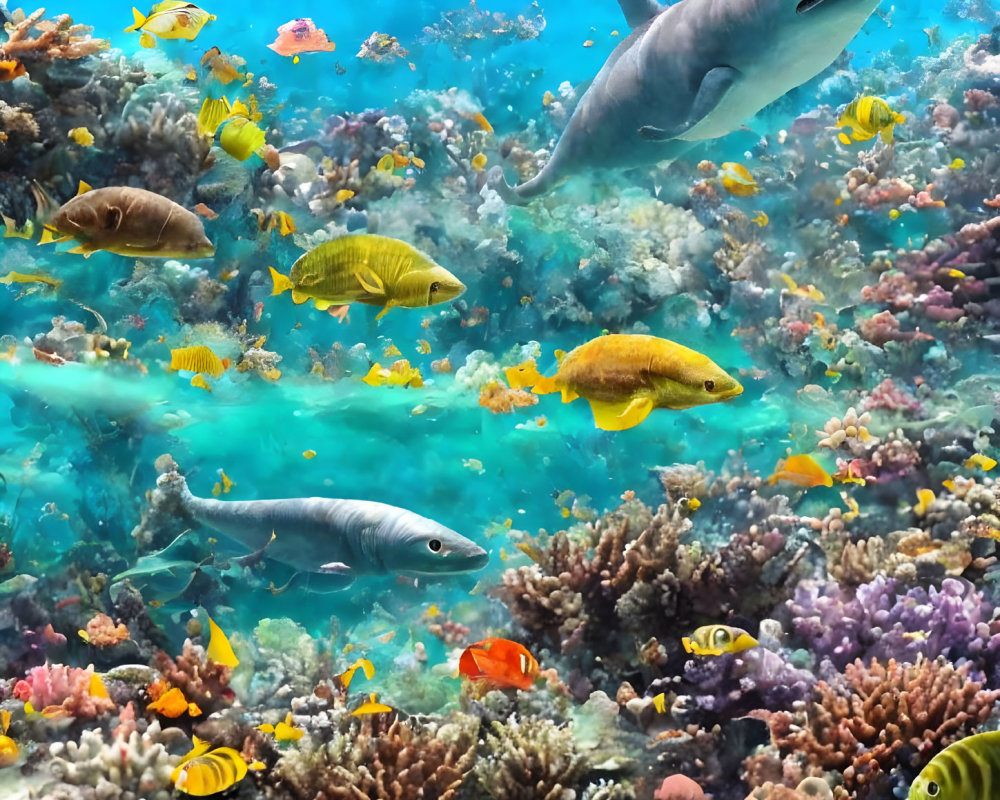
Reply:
x=933 y=790
x=434 y=545
x=435 y=287
x=709 y=386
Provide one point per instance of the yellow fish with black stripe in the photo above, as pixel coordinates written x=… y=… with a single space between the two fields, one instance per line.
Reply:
x=969 y=769
x=714 y=640
x=867 y=117
x=171 y=19
x=371 y=269
x=203 y=771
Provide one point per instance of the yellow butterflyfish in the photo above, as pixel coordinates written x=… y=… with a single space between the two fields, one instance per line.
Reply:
x=737 y=179
x=219 y=650
x=802 y=470
x=171 y=19
x=867 y=117
x=924 y=498
x=979 y=460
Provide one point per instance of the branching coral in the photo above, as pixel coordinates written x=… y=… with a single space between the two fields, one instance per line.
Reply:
x=58 y=38
x=202 y=682
x=406 y=761
x=863 y=721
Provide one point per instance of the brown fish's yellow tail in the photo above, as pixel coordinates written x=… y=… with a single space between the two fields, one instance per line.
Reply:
x=526 y=375
x=282 y=283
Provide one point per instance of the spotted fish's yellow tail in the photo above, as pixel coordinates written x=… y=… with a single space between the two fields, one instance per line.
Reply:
x=282 y=283
x=140 y=19
x=527 y=376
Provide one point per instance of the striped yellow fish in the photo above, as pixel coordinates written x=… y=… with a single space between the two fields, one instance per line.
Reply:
x=967 y=770
x=198 y=359
x=371 y=269
x=714 y=640
x=202 y=773
x=867 y=117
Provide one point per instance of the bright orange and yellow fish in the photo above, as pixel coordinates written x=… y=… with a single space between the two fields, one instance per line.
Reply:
x=173 y=704
x=500 y=663
x=714 y=640
x=802 y=470
x=8 y=747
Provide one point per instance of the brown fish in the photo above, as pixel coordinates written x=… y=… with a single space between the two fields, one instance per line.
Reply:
x=129 y=222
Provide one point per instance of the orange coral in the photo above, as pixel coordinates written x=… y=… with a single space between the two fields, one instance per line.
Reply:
x=58 y=38
x=102 y=632
x=501 y=400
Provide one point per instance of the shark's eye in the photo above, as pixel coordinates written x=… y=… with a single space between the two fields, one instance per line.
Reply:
x=709 y=386
x=435 y=287
x=806 y=5
x=434 y=545
x=933 y=790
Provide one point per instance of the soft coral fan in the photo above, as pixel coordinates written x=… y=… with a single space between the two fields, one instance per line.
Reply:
x=874 y=717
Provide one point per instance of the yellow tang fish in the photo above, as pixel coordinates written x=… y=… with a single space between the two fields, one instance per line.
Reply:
x=198 y=359
x=129 y=222
x=8 y=747
x=371 y=269
x=737 y=179
x=171 y=19
x=867 y=117
x=714 y=640
x=364 y=665
x=625 y=376
x=969 y=769
x=283 y=731
x=202 y=773
x=979 y=460
x=219 y=650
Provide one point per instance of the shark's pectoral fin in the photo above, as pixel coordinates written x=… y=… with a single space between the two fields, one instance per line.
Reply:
x=335 y=568
x=638 y=12
x=653 y=134
x=714 y=85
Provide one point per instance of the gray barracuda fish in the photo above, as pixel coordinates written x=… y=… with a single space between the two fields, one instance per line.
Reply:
x=345 y=538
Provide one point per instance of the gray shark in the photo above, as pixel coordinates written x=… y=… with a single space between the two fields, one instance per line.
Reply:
x=692 y=71
x=337 y=538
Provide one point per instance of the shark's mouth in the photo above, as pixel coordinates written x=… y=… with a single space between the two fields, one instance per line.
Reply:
x=806 y=5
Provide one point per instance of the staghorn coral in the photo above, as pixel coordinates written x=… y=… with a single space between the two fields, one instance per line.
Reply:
x=132 y=767
x=407 y=760
x=861 y=722
x=531 y=759
x=58 y=38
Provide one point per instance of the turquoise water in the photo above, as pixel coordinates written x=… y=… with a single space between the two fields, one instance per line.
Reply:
x=666 y=250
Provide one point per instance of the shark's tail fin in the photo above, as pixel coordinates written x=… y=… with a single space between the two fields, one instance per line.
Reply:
x=545 y=181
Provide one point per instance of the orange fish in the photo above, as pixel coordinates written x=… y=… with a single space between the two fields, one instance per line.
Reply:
x=301 y=36
x=173 y=704
x=500 y=662
x=801 y=470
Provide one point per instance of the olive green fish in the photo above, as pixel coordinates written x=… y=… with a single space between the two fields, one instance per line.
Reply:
x=129 y=222
x=967 y=770
x=370 y=269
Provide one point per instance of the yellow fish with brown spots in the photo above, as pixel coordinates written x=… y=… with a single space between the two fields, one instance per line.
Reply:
x=625 y=376
x=129 y=222
x=371 y=269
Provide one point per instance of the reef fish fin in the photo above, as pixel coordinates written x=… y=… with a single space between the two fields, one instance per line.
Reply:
x=373 y=286
x=322 y=305
x=139 y=18
x=147 y=40
x=49 y=236
x=568 y=395
x=282 y=283
x=619 y=416
x=83 y=188
x=82 y=250
x=299 y=297
x=384 y=311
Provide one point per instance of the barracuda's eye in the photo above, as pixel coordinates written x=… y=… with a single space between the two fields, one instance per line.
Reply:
x=709 y=386
x=434 y=545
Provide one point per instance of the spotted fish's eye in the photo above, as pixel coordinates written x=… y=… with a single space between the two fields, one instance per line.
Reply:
x=435 y=287
x=933 y=790
x=434 y=545
x=721 y=638
x=709 y=386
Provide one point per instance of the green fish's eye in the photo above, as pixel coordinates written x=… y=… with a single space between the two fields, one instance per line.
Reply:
x=721 y=637
x=933 y=790
x=435 y=287
x=709 y=386
x=434 y=545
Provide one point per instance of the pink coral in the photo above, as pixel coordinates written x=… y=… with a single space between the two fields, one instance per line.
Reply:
x=945 y=115
x=69 y=687
x=939 y=305
x=883 y=327
x=102 y=632
x=889 y=396
x=678 y=787
x=923 y=199
x=980 y=99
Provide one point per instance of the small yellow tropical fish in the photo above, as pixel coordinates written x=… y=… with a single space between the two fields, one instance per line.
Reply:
x=219 y=650
x=81 y=136
x=761 y=219
x=714 y=640
x=198 y=359
x=307 y=454
x=21 y=277
x=531 y=552
x=481 y=121
x=343 y=195
x=364 y=665
x=283 y=731
x=966 y=770
x=173 y=704
x=694 y=503
x=399 y=374
x=203 y=772
x=802 y=470
x=867 y=117
x=958 y=163
x=370 y=706
x=371 y=269
x=625 y=376
x=223 y=486
x=924 y=498
x=737 y=179
x=386 y=164
x=949 y=484
x=895 y=213
x=241 y=138
x=8 y=747
x=171 y=19
x=479 y=162
x=979 y=460
x=660 y=703
x=809 y=291
x=212 y=114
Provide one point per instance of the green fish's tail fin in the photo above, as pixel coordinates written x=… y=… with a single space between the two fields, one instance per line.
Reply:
x=282 y=283
x=139 y=17
x=147 y=40
x=886 y=133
